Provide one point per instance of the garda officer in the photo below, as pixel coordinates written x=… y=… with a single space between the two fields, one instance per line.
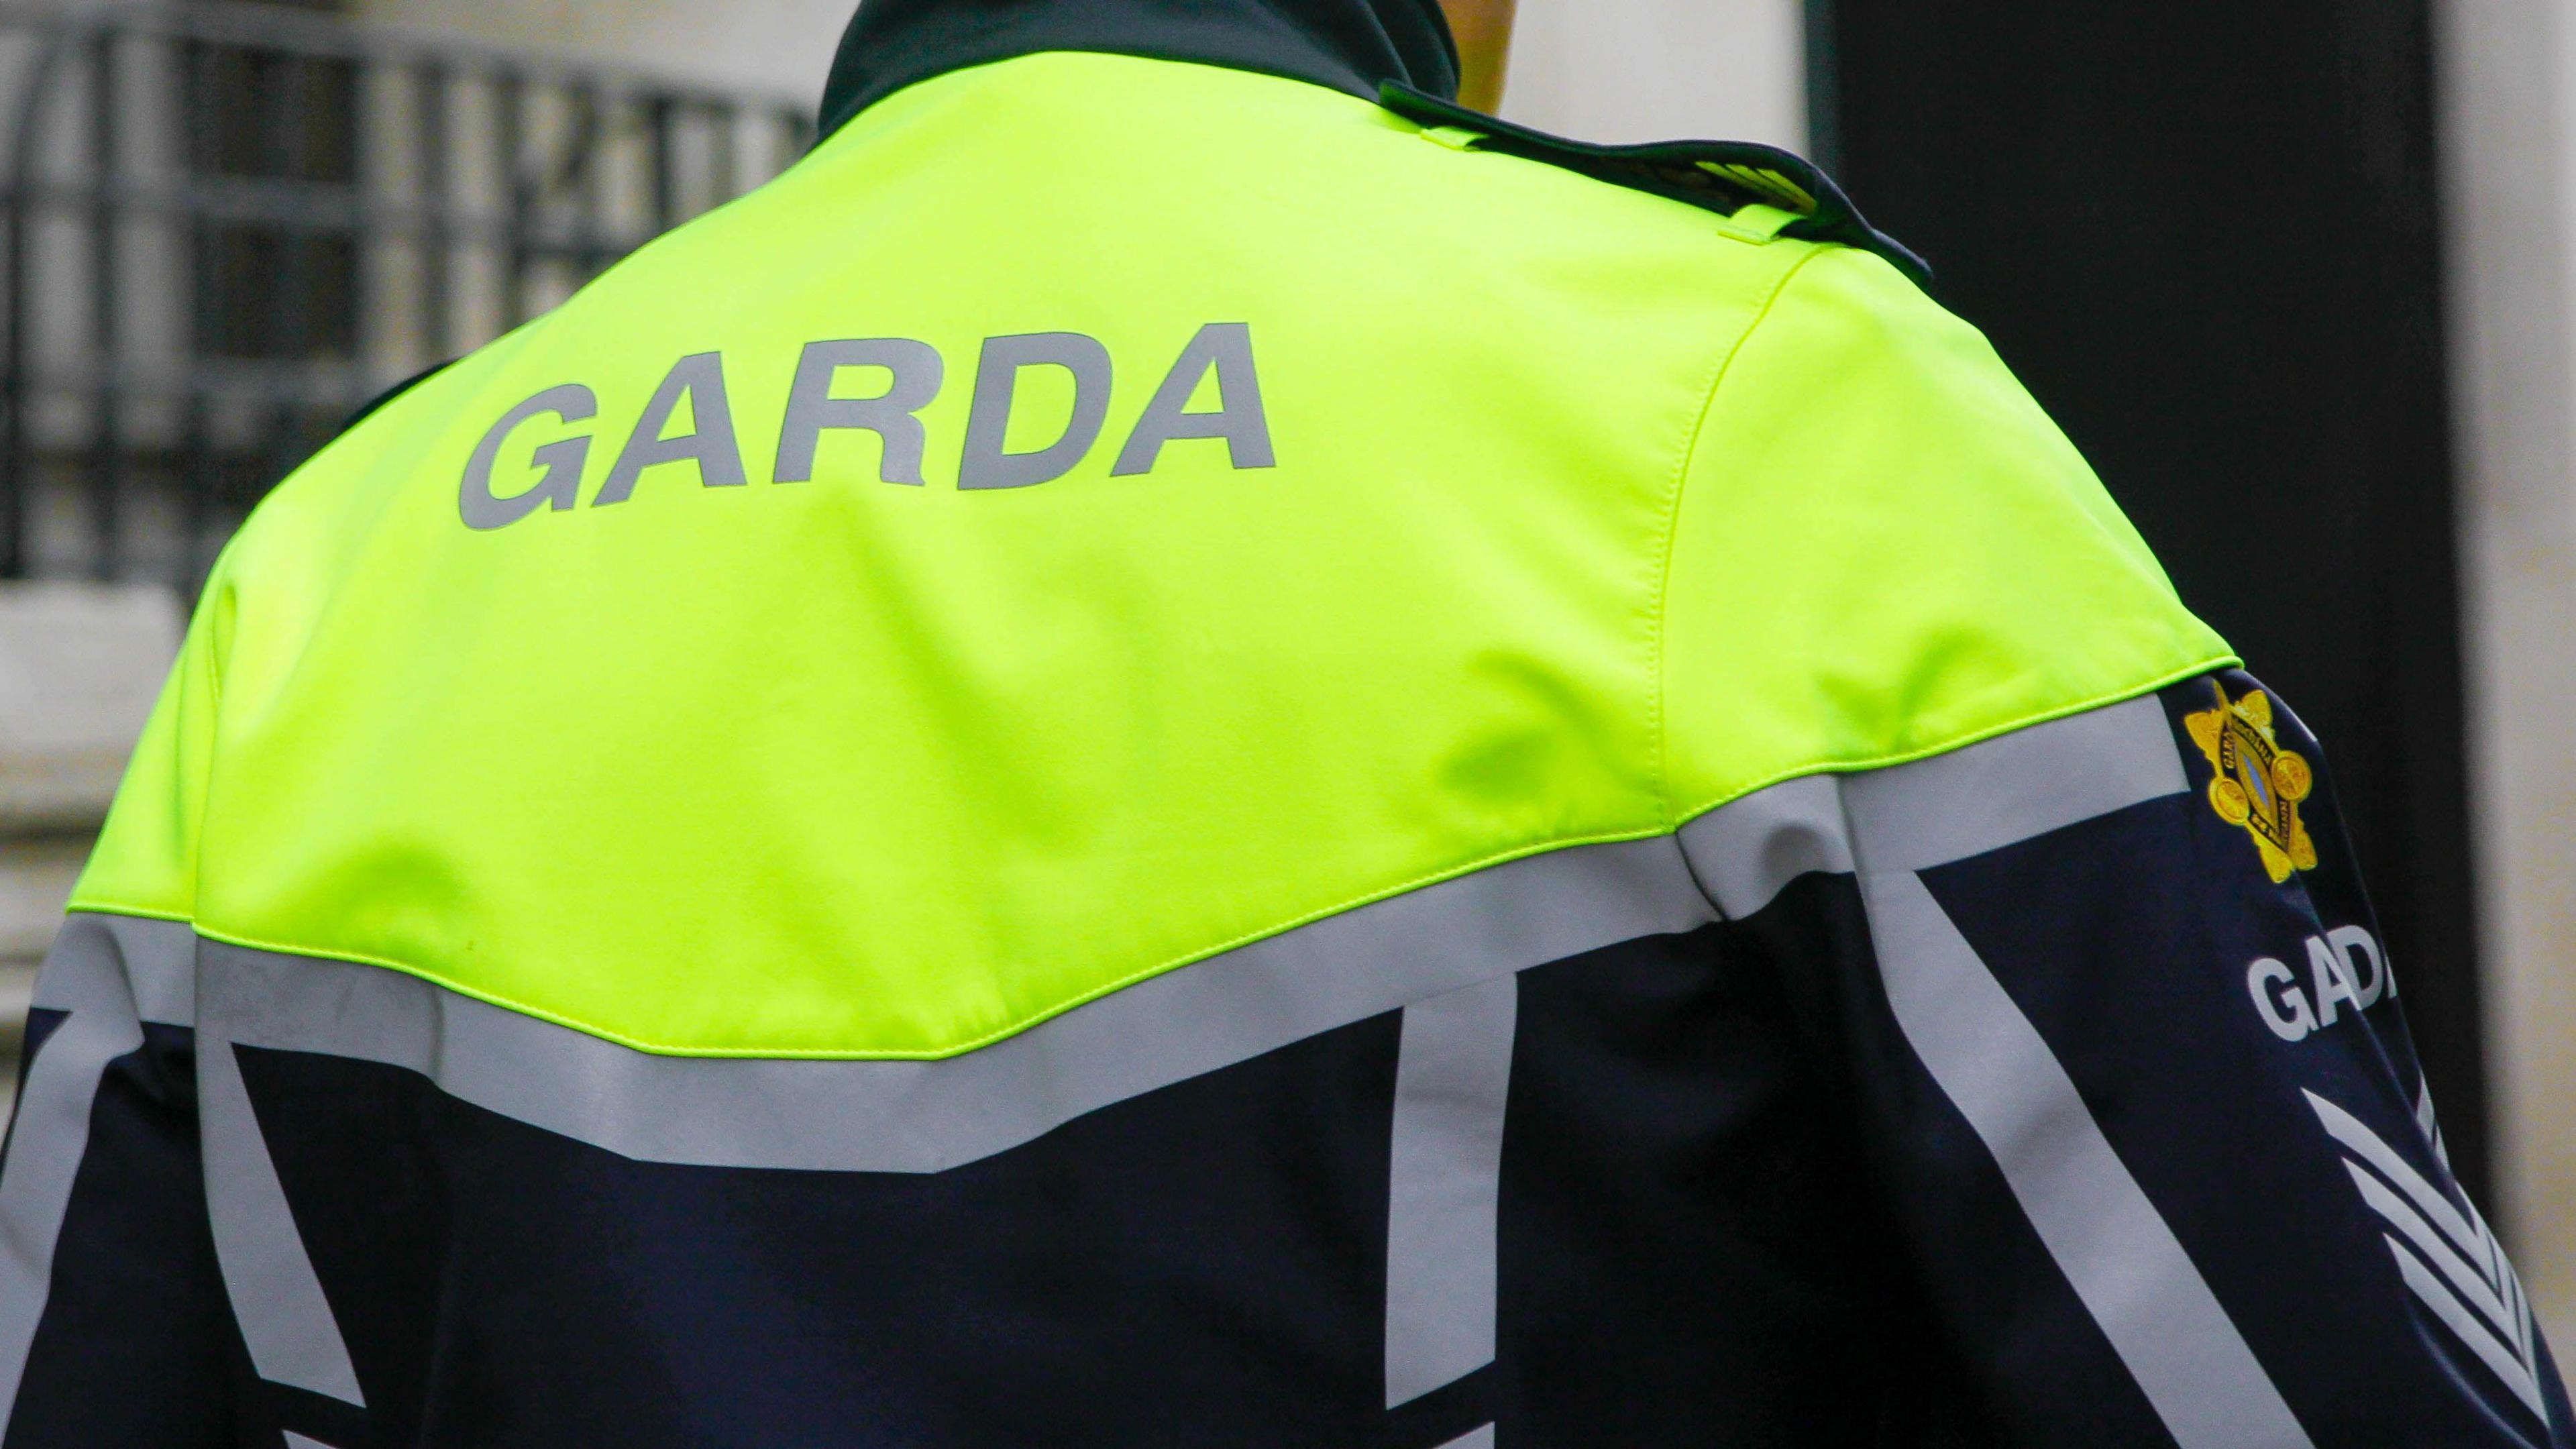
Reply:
x=1186 y=748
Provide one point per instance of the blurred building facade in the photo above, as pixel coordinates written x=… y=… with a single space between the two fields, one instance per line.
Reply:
x=2507 y=88
x=416 y=176
x=230 y=226
x=222 y=228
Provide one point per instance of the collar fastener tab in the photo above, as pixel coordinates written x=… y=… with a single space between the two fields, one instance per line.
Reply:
x=1794 y=198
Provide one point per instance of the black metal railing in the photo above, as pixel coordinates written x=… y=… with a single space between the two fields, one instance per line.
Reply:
x=224 y=226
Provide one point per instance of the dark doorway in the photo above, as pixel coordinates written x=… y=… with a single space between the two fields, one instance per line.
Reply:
x=2205 y=236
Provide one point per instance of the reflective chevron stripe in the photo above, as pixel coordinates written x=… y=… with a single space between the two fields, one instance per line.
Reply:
x=2475 y=1293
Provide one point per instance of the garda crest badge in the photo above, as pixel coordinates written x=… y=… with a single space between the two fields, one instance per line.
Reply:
x=2254 y=782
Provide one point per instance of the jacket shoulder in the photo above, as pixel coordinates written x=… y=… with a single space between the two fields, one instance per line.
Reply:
x=1887 y=550
x=1719 y=176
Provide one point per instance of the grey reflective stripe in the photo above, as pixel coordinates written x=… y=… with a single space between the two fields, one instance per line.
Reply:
x=1473 y=1439
x=1886 y=826
x=913 y=1116
x=95 y=972
x=111 y=972
x=126 y=965
x=1453 y=1081
x=1747 y=852
x=2114 y=1247
x=50 y=1137
x=276 y=1296
x=298 y=1441
x=2014 y=787
x=1913 y=817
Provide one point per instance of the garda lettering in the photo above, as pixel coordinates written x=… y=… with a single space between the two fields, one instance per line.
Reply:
x=914 y=374
x=2344 y=965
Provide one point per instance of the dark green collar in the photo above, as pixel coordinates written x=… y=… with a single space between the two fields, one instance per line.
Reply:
x=1350 y=45
x=1721 y=176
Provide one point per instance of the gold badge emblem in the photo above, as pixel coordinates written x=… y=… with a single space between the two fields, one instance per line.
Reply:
x=2254 y=782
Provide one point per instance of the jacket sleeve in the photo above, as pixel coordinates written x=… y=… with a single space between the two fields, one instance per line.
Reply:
x=2069 y=905
x=2133 y=1076
x=114 y=1327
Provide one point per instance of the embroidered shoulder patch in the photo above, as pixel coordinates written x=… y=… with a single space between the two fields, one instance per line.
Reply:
x=2254 y=782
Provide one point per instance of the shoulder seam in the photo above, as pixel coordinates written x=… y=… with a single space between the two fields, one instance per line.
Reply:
x=1659 y=600
x=2105 y=700
x=85 y=906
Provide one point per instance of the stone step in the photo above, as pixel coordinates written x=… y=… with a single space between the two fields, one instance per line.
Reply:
x=80 y=666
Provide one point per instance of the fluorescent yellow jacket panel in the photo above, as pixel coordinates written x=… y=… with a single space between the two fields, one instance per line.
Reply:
x=1034 y=544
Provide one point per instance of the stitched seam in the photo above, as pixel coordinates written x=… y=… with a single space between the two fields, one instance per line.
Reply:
x=1011 y=1029
x=2121 y=695
x=103 y=907
x=1660 y=594
x=202 y=805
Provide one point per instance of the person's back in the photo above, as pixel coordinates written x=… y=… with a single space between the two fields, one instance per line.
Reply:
x=1157 y=756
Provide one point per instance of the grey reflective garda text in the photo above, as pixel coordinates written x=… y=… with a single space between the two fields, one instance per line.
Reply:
x=911 y=376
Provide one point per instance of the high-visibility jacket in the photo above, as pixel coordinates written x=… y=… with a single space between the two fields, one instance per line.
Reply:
x=1165 y=755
